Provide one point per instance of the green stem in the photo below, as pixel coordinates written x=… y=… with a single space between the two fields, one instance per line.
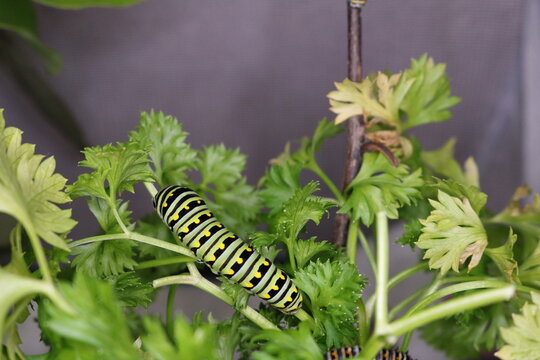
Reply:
x=381 y=307
x=163 y=261
x=372 y=348
x=136 y=237
x=352 y=240
x=405 y=302
x=304 y=316
x=40 y=254
x=367 y=250
x=406 y=273
x=151 y=188
x=205 y=285
x=363 y=322
x=313 y=166
x=117 y=216
x=448 y=308
x=170 y=310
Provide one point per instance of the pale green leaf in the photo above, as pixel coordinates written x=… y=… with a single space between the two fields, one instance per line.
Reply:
x=79 y=4
x=30 y=190
x=523 y=338
x=451 y=234
x=503 y=256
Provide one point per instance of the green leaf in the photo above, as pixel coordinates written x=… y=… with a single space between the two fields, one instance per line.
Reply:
x=237 y=292
x=293 y=344
x=309 y=249
x=524 y=220
x=529 y=270
x=166 y=140
x=301 y=208
x=410 y=215
x=79 y=4
x=468 y=334
x=152 y=225
x=451 y=234
x=220 y=166
x=30 y=190
x=132 y=290
x=16 y=287
x=472 y=193
x=428 y=98
x=523 y=338
x=379 y=186
x=19 y=16
x=309 y=146
x=199 y=340
x=97 y=321
x=503 y=256
x=279 y=185
x=111 y=257
x=442 y=162
x=116 y=169
x=333 y=289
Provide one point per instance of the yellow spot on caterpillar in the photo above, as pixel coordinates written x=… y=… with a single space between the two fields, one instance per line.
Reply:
x=170 y=227
x=266 y=296
x=275 y=287
x=258 y=275
x=186 y=207
x=186 y=230
x=207 y=234
x=249 y=285
x=231 y=271
x=232 y=236
x=289 y=299
x=175 y=217
x=197 y=221
x=295 y=290
x=164 y=204
x=212 y=258
x=282 y=277
x=281 y=306
x=209 y=214
x=219 y=226
x=222 y=246
x=171 y=194
x=240 y=260
x=198 y=201
x=266 y=263
x=249 y=249
x=197 y=244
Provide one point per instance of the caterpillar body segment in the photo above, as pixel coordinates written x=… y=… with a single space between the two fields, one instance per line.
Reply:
x=188 y=217
x=357 y=3
x=348 y=352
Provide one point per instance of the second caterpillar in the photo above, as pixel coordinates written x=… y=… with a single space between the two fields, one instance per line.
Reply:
x=187 y=215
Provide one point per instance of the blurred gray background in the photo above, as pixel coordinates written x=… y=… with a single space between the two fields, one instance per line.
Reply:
x=255 y=74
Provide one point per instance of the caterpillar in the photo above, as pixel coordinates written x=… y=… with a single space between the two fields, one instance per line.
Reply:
x=190 y=219
x=357 y=3
x=348 y=352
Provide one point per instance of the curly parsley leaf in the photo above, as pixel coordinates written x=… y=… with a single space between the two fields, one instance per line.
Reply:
x=524 y=220
x=410 y=215
x=472 y=193
x=165 y=140
x=451 y=234
x=419 y=95
x=188 y=340
x=442 y=162
x=503 y=257
x=116 y=169
x=30 y=190
x=132 y=290
x=111 y=257
x=220 y=166
x=309 y=249
x=529 y=270
x=428 y=98
x=236 y=292
x=305 y=155
x=522 y=340
x=333 y=289
x=379 y=186
x=279 y=185
x=97 y=322
x=291 y=344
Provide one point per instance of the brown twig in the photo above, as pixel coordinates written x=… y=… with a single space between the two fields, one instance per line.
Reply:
x=355 y=125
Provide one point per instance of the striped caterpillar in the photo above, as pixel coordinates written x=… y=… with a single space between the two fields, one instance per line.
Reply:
x=348 y=352
x=188 y=217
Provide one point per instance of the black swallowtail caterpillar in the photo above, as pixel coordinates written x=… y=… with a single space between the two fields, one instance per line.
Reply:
x=187 y=215
x=348 y=352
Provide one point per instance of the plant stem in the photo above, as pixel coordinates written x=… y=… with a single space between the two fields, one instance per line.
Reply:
x=117 y=217
x=409 y=299
x=170 y=310
x=406 y=273
x=151 y=188
x=314 y=166
x=212 y=289
x=448 y=308
x=367 y=250
x=136 y=237
x=304 y=316
x=352 y=240
x=163 y=261
x=381 y=307
x=363 y=322
x=40 y=254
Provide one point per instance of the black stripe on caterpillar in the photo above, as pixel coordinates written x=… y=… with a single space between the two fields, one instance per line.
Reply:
x=348 y=352
x=188 y=217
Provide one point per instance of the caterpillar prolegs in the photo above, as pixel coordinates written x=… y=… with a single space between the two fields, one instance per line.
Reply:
x=348 y=352
x=187 y=215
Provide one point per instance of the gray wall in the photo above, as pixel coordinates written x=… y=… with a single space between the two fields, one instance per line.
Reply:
x=254 y=74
